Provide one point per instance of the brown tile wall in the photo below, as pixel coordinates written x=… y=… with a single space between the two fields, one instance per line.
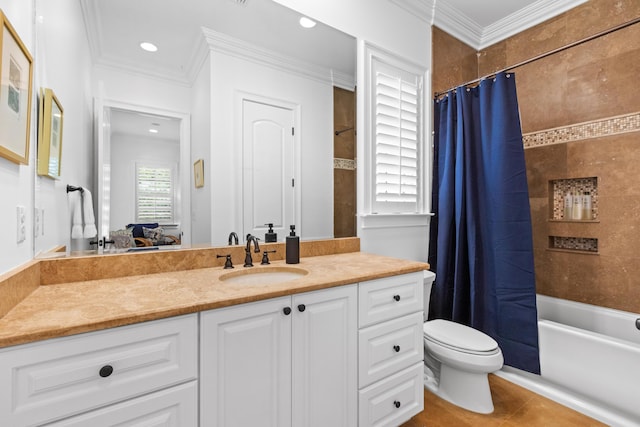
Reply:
x=596 y=80
x=344 y=172
x=453 y=61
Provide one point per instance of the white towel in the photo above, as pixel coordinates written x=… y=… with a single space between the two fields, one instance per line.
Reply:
x=76 y=215
x=90 y=229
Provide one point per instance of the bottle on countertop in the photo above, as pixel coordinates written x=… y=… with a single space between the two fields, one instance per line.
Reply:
x=292 y=248
x=270 y=236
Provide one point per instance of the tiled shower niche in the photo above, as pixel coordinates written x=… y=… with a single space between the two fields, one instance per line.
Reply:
x=578 y=213
x=574 y=244
x=559 y=188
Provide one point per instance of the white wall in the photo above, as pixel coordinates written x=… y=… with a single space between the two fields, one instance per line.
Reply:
x=201 y=149
x=126 y=152
x=58 y=44
x=127 y=87
x=232 y=76
x=63 y=64
x=16 y=181
x=391 y=28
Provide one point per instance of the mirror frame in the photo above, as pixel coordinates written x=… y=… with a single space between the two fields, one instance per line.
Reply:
x=184 y=202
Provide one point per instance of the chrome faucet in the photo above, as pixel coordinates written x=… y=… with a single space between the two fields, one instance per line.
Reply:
x=233 y=236
x=248 y=261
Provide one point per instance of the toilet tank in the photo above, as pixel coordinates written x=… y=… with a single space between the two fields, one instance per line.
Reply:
x=429 y=277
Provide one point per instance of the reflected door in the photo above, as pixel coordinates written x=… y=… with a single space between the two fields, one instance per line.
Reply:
x=268 y=168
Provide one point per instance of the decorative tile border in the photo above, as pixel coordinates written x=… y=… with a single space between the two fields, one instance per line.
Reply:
x=346 y=164
x=593 y=129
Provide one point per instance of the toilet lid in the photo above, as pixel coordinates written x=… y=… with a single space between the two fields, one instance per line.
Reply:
x=459 y=336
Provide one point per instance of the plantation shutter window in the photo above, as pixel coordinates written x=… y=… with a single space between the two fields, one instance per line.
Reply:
x=154 y=194
x=397 y=140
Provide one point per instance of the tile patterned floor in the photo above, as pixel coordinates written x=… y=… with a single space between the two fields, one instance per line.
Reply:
x=514 y=406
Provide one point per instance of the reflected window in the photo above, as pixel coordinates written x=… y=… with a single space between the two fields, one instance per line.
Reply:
x=155 y=194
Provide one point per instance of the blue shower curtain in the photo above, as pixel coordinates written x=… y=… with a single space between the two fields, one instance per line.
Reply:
x=480 y=244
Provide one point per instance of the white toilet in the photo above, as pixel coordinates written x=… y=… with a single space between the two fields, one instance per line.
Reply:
x=458 y=359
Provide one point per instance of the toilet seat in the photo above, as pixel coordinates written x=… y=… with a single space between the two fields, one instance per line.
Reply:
x=458 y=337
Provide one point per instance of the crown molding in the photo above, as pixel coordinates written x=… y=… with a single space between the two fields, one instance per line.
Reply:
x=92 y=27
x=461 y=26
x=423 y=9
x=524 y=18
x=223 y=43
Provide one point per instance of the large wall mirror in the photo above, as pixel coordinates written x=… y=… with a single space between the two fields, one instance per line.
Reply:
x=222 y=56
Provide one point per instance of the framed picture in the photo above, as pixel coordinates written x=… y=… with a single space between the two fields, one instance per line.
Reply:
x=16 y=75
x=49 y=134
x=198 y=173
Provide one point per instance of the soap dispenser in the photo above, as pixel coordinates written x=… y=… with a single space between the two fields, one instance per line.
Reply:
x=270 y=236
x=293 y=247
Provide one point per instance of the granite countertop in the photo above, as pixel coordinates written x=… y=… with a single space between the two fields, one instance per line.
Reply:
x=62 y=309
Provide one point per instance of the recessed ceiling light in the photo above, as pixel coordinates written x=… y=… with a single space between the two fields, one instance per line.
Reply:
x=307 y=23
x=152 y=130
x=149 y=47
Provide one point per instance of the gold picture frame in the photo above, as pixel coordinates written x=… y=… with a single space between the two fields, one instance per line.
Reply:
x=16 y=79
x=50 y=122
x=198 y=173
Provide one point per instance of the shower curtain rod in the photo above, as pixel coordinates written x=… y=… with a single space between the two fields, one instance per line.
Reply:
x=544 y=55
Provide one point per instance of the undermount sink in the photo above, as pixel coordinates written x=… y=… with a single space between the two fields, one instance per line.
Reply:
x=264 y=276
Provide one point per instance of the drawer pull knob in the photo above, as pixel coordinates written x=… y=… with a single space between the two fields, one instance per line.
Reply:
x=396 y=297
x=396 y=403
x=287 y=311
x=396 y=348
x=106 y=370
x=301 y=308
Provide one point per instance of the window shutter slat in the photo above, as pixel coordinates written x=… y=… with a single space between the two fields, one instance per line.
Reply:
x=396 y=125
x=155 y=194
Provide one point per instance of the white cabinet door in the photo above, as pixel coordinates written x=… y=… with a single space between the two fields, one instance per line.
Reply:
x=325 y=358
x=57 y=378
x=173 y=407
x=245 y=365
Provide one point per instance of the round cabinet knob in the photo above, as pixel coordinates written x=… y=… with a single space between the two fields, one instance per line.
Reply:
x=396 y=403
x=106 y=370
x=286 y=311
x=302 y=308
x=396 y=348
x=396 y=297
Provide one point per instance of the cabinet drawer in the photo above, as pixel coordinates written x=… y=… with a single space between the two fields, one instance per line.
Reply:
x=52 y=379
x=173 y=407
x=389 y=347
x=390 y=297
x=394 y=400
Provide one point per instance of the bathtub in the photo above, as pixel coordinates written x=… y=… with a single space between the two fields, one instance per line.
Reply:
x=589 y=359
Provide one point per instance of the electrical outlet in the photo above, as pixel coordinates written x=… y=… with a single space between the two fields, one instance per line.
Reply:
x=21 y=224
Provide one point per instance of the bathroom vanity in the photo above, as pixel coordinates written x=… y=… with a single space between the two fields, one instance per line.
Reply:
x=338 y=345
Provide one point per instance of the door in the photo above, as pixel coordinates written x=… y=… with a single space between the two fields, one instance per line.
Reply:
x=325 y=358
x=245 y=365
x=268 y=168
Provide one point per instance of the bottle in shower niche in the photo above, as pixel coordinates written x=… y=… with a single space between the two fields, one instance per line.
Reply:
x=568 y=206
x=577 y=206
x=586 y=205
x=292 y=247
